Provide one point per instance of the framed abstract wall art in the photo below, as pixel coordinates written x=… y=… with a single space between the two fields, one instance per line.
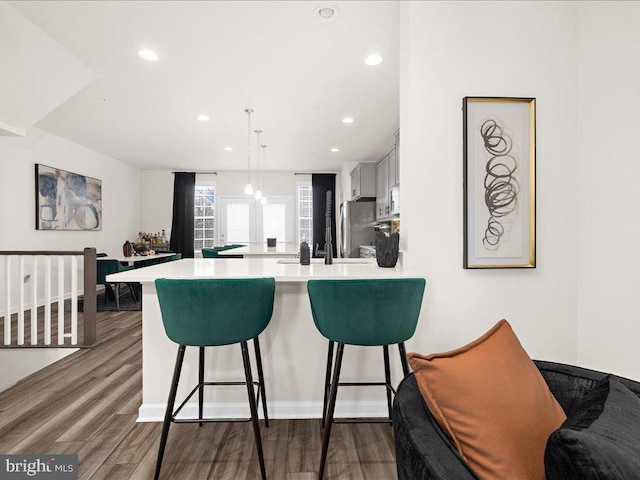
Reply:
x=499 y=180
x=67 y=201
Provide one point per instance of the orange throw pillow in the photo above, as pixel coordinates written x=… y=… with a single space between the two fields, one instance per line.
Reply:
x=492 y=402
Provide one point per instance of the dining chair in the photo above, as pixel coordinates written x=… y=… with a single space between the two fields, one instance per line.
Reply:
x=107 y=267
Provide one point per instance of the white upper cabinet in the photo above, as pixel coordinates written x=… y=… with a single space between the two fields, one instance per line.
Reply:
x=363 y=182
x=382 y=188
x=393 y=167
x=388 y=183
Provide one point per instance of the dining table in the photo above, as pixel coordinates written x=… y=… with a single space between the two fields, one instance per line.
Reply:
x=132 y=260
x=136 y=260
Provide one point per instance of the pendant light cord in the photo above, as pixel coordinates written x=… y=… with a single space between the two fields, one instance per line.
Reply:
x=249 y=112
x=264 y=163
x=258 y=132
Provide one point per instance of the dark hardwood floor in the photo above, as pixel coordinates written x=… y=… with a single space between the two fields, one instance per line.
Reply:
x=87 y=404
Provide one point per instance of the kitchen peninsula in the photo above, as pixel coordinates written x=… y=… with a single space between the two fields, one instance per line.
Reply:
x=293 y=351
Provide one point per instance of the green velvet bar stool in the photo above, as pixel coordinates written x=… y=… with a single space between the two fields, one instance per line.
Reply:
x=379 y=312
x=214 y=312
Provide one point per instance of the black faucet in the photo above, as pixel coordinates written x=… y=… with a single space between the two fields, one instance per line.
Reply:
x=328 y=247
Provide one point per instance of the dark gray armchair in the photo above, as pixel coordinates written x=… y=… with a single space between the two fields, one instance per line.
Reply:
x=423 y=452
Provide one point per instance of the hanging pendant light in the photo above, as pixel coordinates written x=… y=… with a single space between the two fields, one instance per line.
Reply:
x=258 y=195
x=264 y=200
x=248 y=189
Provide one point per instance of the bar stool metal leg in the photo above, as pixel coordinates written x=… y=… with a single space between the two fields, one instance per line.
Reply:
x=403 y=359
x=169 y=412
x=252 y=406
x=387 y=377
x=332 y=406
x=263 y=394
x=327 y=382
x=201 y=384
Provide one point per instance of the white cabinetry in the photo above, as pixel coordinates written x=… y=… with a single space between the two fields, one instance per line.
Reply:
x=363 y=181
x=387 y=186
x=388 y=183
x=382 y=188
x=397 y=158
x=394 y=187
x=393 y=167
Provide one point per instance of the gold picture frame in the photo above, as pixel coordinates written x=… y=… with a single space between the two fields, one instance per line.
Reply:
x=499 y=182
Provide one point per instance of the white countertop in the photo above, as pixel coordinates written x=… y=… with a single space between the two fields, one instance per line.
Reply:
x=261 y=249
x=261 y=267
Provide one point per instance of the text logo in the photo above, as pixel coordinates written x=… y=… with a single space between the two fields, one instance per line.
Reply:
x=39 y=467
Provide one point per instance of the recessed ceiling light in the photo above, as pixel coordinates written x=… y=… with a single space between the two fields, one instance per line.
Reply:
x=326 y=13
x=228 y=149
x=335 y=150
x=373 y=59
x=347 y=120
x=203 y=118
x=148 y=55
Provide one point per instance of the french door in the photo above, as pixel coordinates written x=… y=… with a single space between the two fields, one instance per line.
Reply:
x=246 y=220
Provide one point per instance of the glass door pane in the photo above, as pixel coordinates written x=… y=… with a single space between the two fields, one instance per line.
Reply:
x=238 y=223
x=237 y=220
x=274 y=221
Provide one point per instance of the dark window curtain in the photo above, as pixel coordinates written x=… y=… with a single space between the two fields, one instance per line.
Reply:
x=184 y=189
x=321 y=183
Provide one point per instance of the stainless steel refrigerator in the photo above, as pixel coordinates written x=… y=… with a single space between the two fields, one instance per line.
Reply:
x=356 y=227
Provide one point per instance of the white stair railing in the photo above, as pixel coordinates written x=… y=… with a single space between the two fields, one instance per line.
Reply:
x=24 y=267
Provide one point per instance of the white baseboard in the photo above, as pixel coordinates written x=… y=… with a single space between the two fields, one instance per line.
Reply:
x=154 y=412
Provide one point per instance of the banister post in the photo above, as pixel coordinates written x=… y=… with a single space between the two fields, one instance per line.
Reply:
x=89 y=297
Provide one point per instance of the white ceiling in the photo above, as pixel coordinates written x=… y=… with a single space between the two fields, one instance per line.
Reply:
x=299 y=75
x=36 y=73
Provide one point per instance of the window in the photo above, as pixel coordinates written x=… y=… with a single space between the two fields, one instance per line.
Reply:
x=204 y=217
x=305 y=213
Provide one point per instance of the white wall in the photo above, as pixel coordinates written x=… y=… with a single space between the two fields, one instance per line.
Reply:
x=120 y=202
x=609 y=169
x=18 y=364
x=450 y=50
x=120 y=194
x=120 y=214
x=157 y=201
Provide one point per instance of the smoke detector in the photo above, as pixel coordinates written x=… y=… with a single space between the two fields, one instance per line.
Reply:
x=326 y=13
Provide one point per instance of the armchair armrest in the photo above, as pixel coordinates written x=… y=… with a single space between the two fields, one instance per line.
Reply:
x=422 y=450
x=569 y=383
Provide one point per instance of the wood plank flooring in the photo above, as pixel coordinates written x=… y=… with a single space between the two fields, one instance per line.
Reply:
x=87 y=404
